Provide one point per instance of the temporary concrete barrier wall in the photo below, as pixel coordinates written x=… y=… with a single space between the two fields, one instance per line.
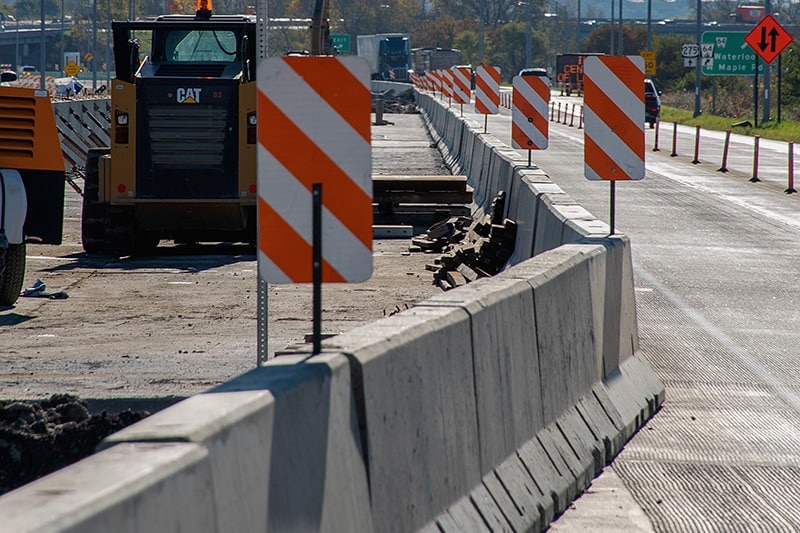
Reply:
x=489 y=406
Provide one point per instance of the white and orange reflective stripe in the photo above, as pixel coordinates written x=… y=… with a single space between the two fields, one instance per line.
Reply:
x=437 y=81
x=447 y=83
x=530 y=127
x=613 y=117
x=487 y=90
x=314 y=127
x=462 y=84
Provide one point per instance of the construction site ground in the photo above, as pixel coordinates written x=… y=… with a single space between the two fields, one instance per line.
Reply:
x=108 y=340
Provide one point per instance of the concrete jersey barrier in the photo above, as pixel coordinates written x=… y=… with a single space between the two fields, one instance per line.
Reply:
x=489 y=406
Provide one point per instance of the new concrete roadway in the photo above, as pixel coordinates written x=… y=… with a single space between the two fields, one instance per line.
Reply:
x=716 y=267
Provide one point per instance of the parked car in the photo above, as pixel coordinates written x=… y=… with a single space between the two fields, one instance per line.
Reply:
x=534 y=72
x=652 y=103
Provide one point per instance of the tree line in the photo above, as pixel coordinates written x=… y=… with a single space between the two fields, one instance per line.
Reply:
x=516 y=33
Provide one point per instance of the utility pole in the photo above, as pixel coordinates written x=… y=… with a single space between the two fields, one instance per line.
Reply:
x=481 y=24
x=697 y=66
x=767 y=10
x=528 y=35
x=42 y=54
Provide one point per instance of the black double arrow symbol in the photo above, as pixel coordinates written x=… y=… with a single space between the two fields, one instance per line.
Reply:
x=773 y=34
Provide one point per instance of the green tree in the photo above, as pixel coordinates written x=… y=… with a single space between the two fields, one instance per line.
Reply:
x=634 y=39
x=506 y=48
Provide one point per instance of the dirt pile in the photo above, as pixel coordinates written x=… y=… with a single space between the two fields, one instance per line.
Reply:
x=37 y=438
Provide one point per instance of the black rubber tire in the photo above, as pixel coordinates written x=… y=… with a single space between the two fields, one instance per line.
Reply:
x=94 y=215
x=12 y=273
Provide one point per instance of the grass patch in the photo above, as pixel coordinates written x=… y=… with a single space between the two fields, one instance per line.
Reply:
x=785 y=130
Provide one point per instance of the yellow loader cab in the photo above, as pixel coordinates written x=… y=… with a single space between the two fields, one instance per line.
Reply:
x=31 y=181
x=182 y=163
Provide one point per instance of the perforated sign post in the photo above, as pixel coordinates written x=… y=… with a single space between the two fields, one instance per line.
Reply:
x=530 y=129
x=613 y=120
x=314 y=138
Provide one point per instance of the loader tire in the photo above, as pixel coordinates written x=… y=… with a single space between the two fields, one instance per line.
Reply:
x=12 y=273
x=94 y=213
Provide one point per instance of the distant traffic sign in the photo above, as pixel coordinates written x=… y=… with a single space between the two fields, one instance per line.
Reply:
x=649 y=62
x=341 y=42
x=72 y=69
x=768 y=39
x=690 y=50
x=732 y=55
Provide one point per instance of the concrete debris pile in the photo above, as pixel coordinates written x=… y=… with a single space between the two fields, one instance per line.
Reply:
x=403 y=102
x=471 y=249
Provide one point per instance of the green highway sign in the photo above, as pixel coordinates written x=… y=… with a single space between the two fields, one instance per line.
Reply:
x=341 y=42
x=732 y=55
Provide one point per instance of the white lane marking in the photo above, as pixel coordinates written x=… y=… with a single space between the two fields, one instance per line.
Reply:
x=730 y=345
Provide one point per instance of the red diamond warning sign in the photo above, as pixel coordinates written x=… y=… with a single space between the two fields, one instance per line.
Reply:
x=768 y=39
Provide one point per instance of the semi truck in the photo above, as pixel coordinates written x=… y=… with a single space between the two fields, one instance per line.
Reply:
x=426 y=59
x=182 y=160
x=388 y=55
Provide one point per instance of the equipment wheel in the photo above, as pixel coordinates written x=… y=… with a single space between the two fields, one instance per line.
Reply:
x=94 y=216
x=12 y=273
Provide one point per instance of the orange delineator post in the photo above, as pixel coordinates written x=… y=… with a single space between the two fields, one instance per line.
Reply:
x=724 y=167
x=755 y=179
x=790 y=186
x=655 y=144
x=674 y=140
x=696 y=159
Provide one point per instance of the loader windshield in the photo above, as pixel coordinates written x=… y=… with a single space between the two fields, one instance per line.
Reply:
x=200 y=46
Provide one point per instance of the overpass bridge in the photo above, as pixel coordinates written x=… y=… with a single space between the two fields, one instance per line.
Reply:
x=24 y=41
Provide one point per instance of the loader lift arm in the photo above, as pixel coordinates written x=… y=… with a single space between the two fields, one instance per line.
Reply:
x=321 y=43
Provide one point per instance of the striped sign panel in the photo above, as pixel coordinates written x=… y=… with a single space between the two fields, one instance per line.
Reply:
x=427 y=81
x=487 y=90
x=462 y=84
x=530 y=127
x=436 y=75
x=613 y=118
x=447 y=82
x=314 y=128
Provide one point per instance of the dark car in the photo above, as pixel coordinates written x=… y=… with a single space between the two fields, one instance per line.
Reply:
x=652 y=103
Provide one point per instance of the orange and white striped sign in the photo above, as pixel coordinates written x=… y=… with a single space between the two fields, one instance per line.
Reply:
x=530 y=127
x=447 y=83
x=462 y=84
x=427 y=81
x=314 y=128
x=613 y=125
x=436 y=78
x=487 y=90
